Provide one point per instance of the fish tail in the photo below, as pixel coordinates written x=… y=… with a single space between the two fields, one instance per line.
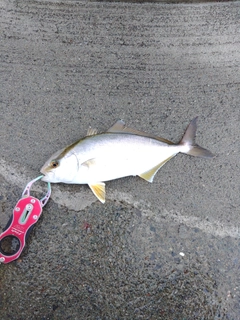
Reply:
x=188 y=141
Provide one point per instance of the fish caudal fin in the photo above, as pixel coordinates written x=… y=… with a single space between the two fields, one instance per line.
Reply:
x=99 y=190
x=188 y=140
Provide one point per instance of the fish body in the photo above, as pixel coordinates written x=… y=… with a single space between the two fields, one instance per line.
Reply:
x=117 y=153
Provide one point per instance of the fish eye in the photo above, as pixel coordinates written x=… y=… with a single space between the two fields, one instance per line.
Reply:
x=54 y=163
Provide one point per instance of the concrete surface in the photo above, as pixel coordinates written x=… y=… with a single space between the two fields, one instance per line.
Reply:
x=167 y=250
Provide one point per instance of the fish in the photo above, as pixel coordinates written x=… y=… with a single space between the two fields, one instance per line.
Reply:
x=119 y=152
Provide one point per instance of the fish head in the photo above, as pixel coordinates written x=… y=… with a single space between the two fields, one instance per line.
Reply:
x=60 y=169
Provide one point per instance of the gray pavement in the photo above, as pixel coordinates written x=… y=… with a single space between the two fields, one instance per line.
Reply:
x=166 y=250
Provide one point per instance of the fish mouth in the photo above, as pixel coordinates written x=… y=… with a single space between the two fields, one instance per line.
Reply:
x=45 y=170
x=42 y=170
x=45 y=175
x=48 y=175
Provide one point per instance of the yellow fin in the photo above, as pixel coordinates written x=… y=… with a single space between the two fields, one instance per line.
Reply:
x=99 y=190
x=149 y=175
x=120 y=127
x=91 y=131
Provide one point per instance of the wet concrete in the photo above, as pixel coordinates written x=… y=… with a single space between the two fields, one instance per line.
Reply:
x=167 y=250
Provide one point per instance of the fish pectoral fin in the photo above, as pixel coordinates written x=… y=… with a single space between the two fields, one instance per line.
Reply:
x=89 y=162
x=91 y=131
x=149 y=175
x=98 y=189
x=120 y=127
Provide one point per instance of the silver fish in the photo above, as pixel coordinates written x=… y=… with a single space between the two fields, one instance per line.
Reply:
x=117 y=153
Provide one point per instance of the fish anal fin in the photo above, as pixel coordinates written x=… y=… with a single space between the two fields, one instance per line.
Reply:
x=98 y=189
x=91 y=131
x=149 y=175
x=120 y=127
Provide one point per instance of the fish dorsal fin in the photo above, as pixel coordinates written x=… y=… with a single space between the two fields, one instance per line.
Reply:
x=120 y=127
x=91 y=131
x=149 y=175
x=117 y=127
x=98 y=189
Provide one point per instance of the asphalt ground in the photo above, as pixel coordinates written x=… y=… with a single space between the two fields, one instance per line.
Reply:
x=166 y=250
